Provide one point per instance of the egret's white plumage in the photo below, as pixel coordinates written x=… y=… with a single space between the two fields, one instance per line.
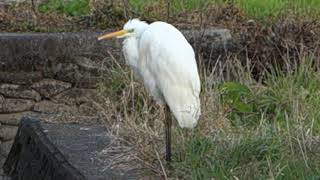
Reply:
x=163 y=59
x=161 y=56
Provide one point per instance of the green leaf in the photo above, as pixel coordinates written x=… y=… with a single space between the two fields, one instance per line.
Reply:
x=237 y=96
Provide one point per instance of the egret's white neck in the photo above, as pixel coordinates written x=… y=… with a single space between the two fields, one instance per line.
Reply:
x=131 y=52
x=131 y=46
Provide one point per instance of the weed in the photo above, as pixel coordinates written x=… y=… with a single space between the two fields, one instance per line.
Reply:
x=262 y=9
x=275 y=133
x=70 y=7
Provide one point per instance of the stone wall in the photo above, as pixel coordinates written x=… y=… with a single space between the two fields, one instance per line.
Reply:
x=53 y=76
x=50 y=74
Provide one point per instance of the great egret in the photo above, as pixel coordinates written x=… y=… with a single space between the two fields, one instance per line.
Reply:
x=163 y=59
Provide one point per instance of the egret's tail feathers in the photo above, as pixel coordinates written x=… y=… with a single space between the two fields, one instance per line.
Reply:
x=188 y=115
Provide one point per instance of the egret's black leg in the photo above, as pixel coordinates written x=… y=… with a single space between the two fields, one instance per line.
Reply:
x=168 y=123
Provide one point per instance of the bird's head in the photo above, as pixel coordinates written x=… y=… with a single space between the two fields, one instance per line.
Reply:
x=133 y=27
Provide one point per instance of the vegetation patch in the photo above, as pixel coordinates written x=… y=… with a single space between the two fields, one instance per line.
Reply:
x=70 y=7
x=248 y=129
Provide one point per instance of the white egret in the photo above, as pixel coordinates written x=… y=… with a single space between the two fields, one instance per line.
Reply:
x=163 y=59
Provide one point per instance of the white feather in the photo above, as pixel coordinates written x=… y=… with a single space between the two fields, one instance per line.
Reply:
x=161 y=56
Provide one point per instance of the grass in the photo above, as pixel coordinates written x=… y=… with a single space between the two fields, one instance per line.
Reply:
x=70 y=7
x=75 y=15
x=177 y=6
x=264 y=10
x=255 y=156
x=268 y=9
x=248 y=129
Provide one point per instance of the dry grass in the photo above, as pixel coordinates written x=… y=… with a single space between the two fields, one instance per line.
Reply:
x=22 y=17
x=280 y=143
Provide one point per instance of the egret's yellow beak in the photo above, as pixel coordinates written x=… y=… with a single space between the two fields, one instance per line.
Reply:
x=113 y=34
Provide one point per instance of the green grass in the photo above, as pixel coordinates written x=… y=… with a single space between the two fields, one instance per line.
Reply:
x=296 y=92
x=70 y=7
x=254 y=156
x=264 y=10
x=282 y=95
x=269 y=9
x=248 y=129
x=271 y=135
x=177 y=6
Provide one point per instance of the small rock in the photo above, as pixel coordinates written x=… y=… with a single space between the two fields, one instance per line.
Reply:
x=62 y=113
x=90 y=65
x=2 y=161
x=50 y=87
x=8 y=105
x=11 y=2
x=212 y=35
x=87 y=81
x=88 y=109
x=212 y=43
x=71 y=73
x=20 y=77
x=49 y=107
x=81 y=80
x=6 y=146
x=63 y=71
x=14 y=118
x=8 y=132
x=251 y=22
x=71 y=118
x=19 y=91
x=74 y=96
x=2 y=102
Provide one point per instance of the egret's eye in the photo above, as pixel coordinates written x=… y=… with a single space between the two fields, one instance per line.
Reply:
x=130 y=30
